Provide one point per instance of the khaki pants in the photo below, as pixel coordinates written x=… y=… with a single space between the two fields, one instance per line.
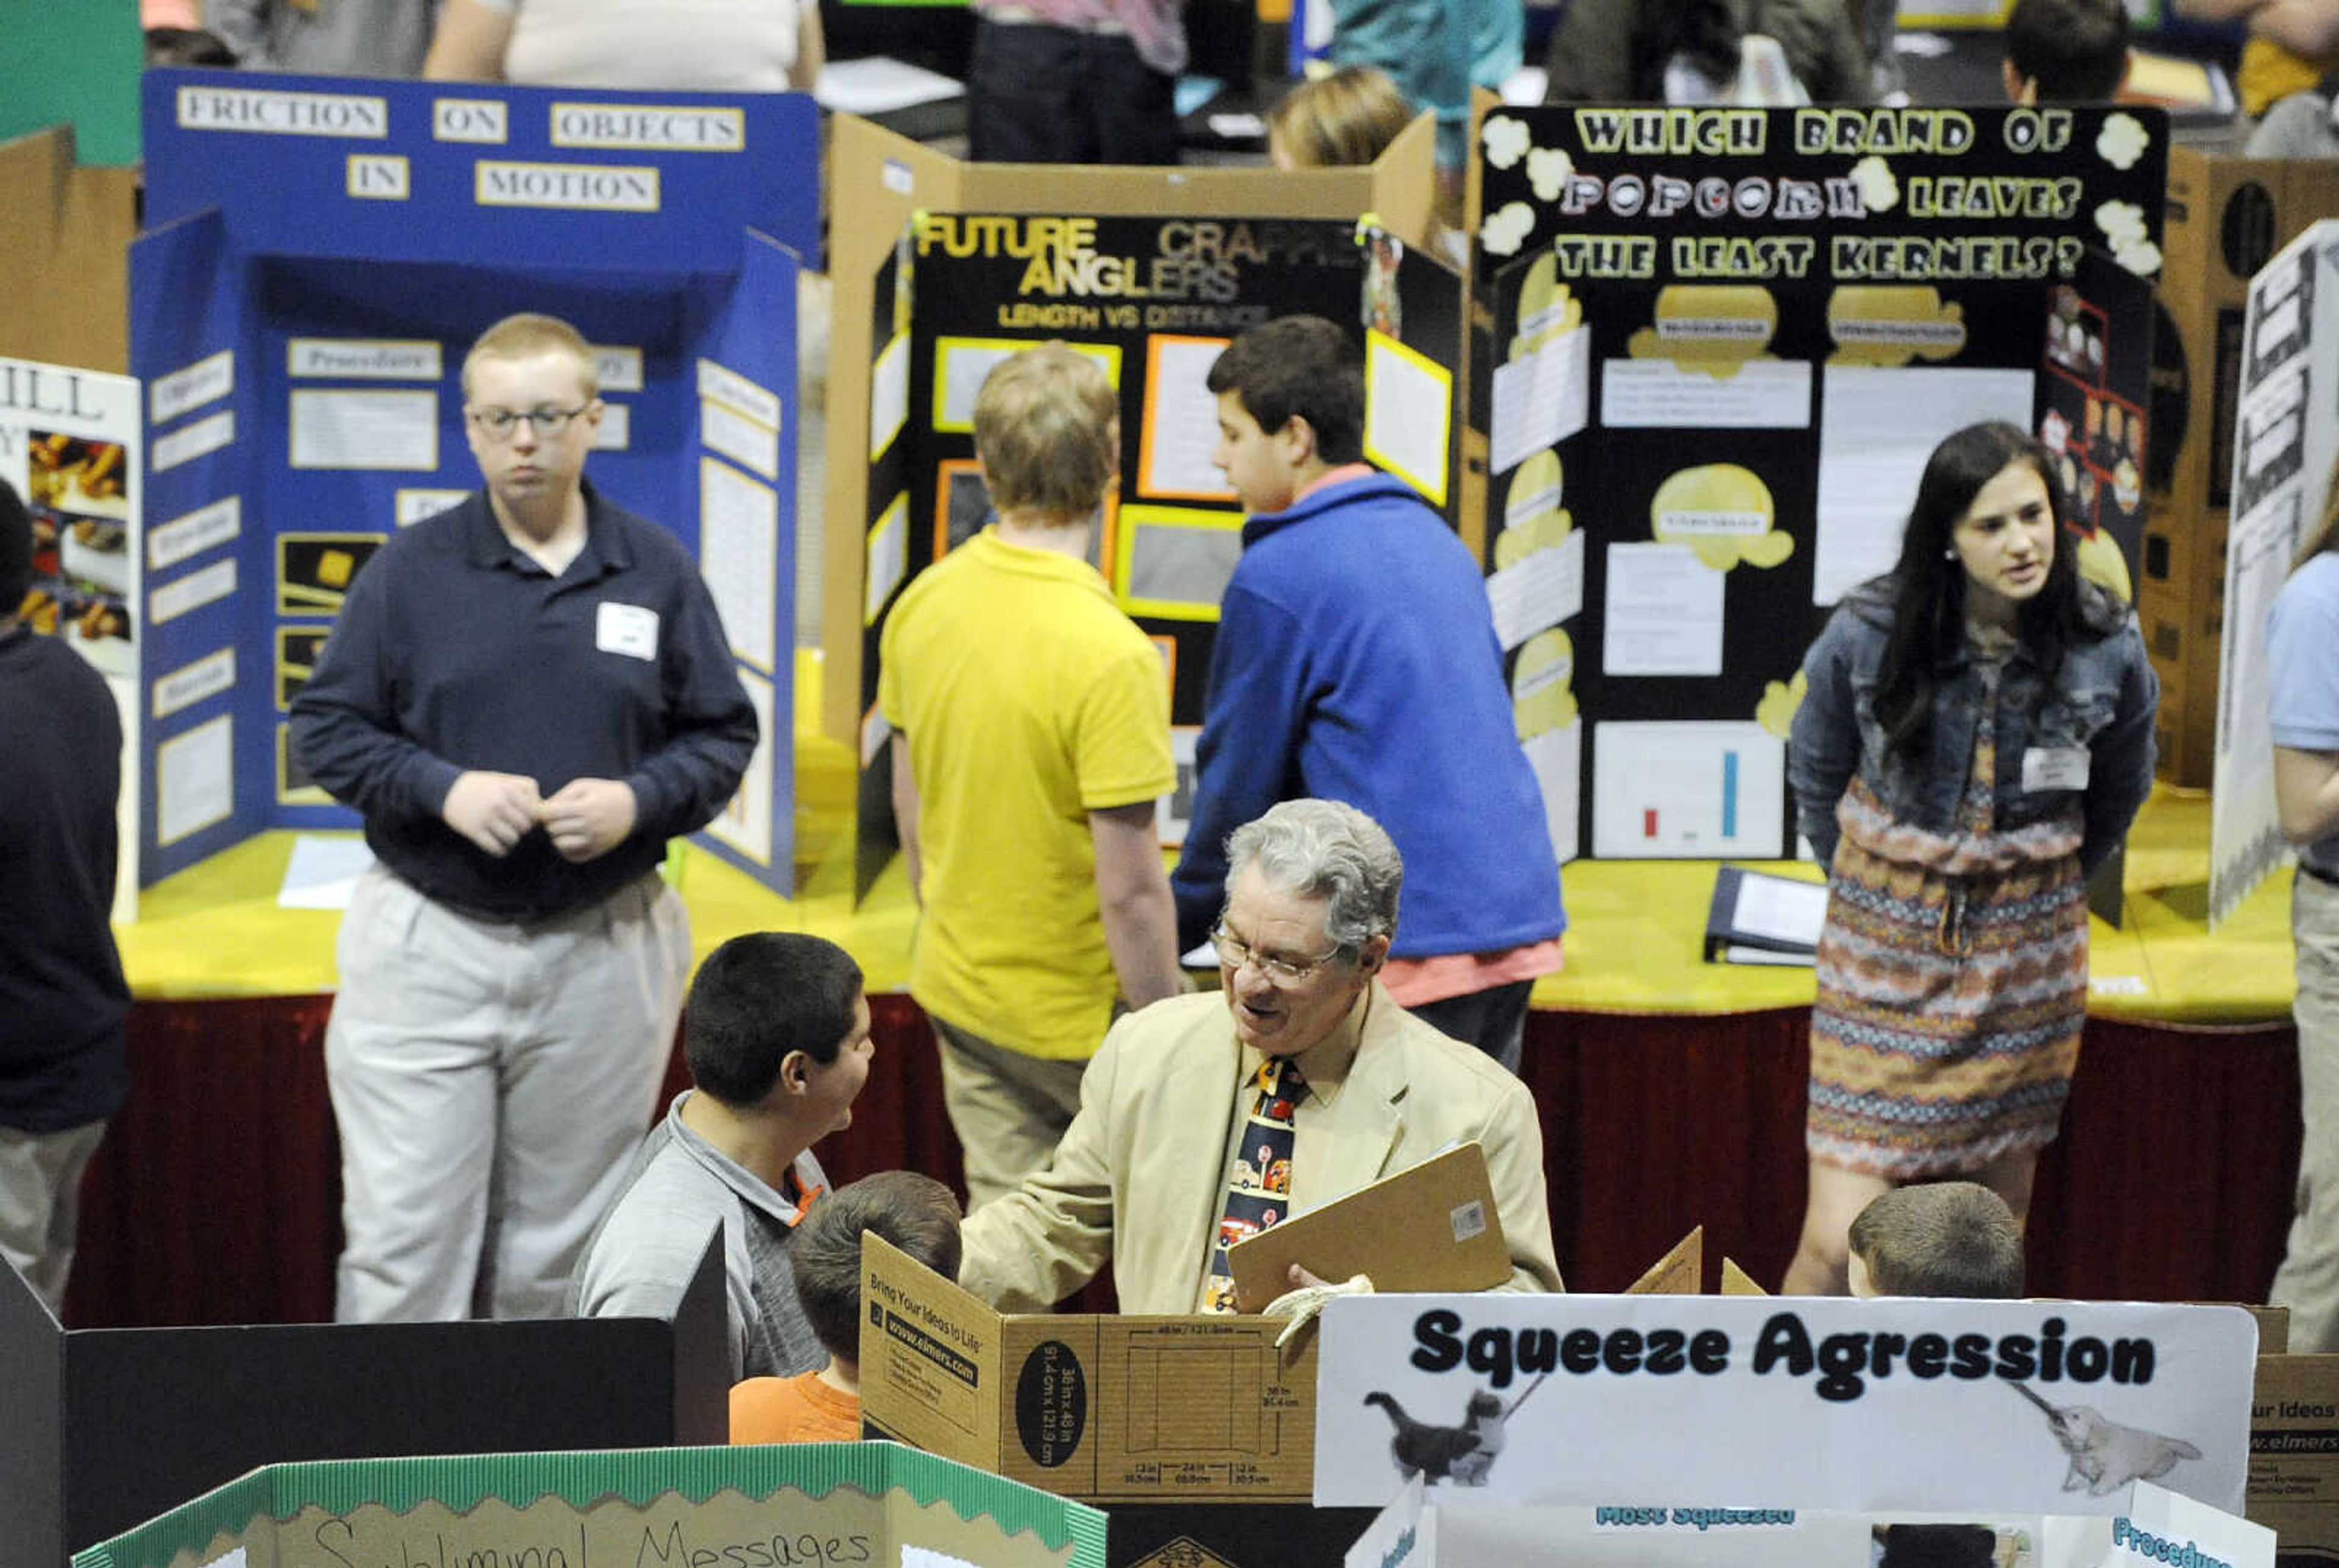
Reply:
x=2308 y=1280
x=40 y=1203
x=490 y=1082
x=1008 y=1108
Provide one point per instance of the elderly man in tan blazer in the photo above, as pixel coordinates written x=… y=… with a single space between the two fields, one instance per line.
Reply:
x=1143 y=1177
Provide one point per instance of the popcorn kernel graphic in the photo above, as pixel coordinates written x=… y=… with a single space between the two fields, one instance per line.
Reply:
x=1533 y=517
x=1541 y=699
x=1505 y=140
x=1782 y=700
x=1721 y=511
x=1891 y=324
x=1503 y=231
x=1709 y=327
x=2101 y=563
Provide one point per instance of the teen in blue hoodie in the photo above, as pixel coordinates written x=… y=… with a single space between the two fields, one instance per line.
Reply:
x=1356 y=660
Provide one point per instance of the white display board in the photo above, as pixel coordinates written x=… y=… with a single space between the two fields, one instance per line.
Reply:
x=2153 y=1526
x=1857 y=1406
x=2285 y=438
x=69 y=443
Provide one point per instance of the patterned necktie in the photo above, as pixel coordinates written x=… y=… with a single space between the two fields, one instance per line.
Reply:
x=1259 y=1193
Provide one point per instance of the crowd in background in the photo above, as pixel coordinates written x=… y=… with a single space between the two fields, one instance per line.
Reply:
x=1090 y=81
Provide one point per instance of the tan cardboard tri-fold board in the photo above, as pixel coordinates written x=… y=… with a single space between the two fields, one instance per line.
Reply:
x=879 y=180
x=1099 y=1409
x=2294 y=1487
x=2226 y=217
x=1105 y=1409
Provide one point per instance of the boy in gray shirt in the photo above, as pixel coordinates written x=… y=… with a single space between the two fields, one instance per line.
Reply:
x=777 y=1033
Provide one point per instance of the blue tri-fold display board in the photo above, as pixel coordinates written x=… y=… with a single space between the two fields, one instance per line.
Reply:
x=320 y=254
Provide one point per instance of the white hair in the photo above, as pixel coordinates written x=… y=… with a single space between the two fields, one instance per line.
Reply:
x=1327 y=850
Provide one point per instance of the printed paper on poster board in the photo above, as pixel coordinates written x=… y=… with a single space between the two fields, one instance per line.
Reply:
x=2151 y=1526
x=2044 y=1407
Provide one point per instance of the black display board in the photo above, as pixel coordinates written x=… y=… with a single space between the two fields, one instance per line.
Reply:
x=1722 y=343
x=1154 y=299
x=1233 y=1535
x=102 y=1429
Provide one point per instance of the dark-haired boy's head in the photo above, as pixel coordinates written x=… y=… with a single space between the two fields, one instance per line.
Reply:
x=1939 y=1238
x=2066 y=50
x=915 y=1213
x=186 y=46
x=761 y=997
x=1301 y=369
x=15 y=550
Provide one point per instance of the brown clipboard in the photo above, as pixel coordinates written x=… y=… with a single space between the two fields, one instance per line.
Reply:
x=1432 y=1227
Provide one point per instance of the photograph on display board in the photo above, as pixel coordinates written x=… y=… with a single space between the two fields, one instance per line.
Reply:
x=314 y=571
x=1722 y=345
x=77 y=489
x=297 y=651
x=293 y=784
x=2095 y=393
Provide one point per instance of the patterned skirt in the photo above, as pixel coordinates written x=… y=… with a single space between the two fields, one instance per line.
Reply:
x=1950 y=1007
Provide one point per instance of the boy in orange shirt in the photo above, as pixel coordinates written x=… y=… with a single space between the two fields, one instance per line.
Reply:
x=915 y=1213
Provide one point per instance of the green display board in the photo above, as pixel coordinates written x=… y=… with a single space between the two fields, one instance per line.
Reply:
x=805 y=1505
x=77 y=62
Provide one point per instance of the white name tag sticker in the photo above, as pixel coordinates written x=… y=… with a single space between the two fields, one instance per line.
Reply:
x=2053 y=768
x=628 y=629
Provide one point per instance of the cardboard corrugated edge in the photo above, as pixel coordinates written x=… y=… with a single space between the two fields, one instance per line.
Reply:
x=1679 y=1272
x=661 y=1505
x=65 y=253
x=1432 y=1227
x=2294 y=1484
x=1103 y=1409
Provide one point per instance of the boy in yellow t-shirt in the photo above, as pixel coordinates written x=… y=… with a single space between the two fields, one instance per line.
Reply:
x=1031 y=724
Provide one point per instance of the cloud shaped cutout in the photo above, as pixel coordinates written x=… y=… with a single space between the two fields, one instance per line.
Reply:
x=2122 y=223
x=2122 y=140
x=1724 y=512
x=1503 y=231
x=1542 y=682
x=2141 y=257
x=1505 y=139
x=1879 y=188
x=1781 y=700
x=1548 y=169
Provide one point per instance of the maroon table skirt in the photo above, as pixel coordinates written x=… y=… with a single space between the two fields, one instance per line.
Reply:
x=215 y=1198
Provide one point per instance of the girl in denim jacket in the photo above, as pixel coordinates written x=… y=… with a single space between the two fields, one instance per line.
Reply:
x=1975 y=737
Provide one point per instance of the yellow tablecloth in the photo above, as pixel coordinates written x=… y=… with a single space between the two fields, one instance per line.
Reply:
x=1635 y=929
x=1632 y=943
